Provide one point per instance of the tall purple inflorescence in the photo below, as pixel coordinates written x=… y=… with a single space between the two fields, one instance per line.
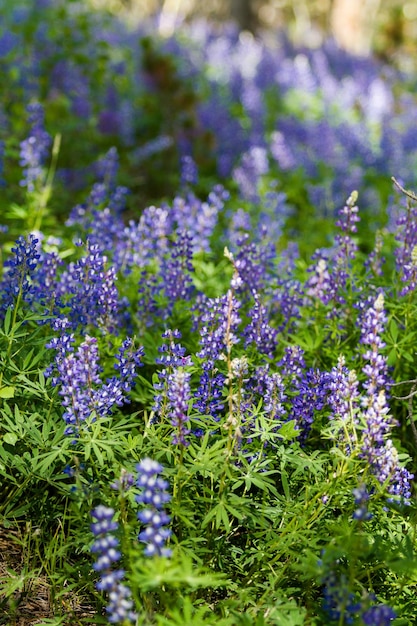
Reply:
x=379 y=615
x=311 y=391
x=154 y=496
x=34 y=149
x=329 y=276
x=88 y=288
x=377 y=449
x=178 y=396
x=258 y=331
x=218 y=321
x=105 y=547
x=20 y=269
x=83 y=393
x=406 y=236
x=172 y=357
x=176 y=270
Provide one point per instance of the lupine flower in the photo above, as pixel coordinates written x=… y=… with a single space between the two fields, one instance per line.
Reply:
x=343 y=391
x=311 y=391
x=154 y=497
x=379 y=615
x=375 y=261
x=218 y=327
x=343 y=400
x=209 y=398
x=321 y=285
x=292 y=363
x=406 y=236
x=330 y=274
x=372 y=325
x=376 y=448
x=254 y=163
x=274 y=396
x=338 y=600
x=78 y=374
x=252 y=263
x=144 y=241
x=178 y=397
x=20 y=269
x=258 y=331
x=176 y=270
x=88 y=288
x=189 y=173
x=105 y=547
x=124 y=483
x=34 y=149
x=172 y=357
x=198 y=218
x=218 y=323
x=361 y=496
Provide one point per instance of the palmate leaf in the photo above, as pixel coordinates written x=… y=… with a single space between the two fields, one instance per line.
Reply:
x=7 y=392
x=177 y=572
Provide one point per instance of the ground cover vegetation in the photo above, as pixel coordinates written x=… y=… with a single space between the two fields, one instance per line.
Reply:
x=207 y=328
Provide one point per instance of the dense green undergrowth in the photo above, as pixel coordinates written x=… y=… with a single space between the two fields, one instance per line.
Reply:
x=206 y=385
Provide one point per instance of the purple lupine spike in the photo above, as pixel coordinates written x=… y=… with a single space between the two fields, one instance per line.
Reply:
x=78 y=375
x=154 y=497
x=343 y=391
x=177 y=269
x=338 y=600
x=105 y=547
x=178 y=396
x=322 y=284
x=361 y=496
x=198 y=218
x=88 y=288
x=377 y=448
x=311 y=395
x=274 y=396
x=292 y=363
x=20 y=268
x=189 y=172
x=379 y=615
x=34 y=149
x=258 y=331
x=172 y=357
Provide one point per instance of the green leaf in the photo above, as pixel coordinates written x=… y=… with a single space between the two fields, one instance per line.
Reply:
x=393 y=329
x=7 y=392
x=7 y=321
x=10 y=438
x=288 y=431
x=284 y=481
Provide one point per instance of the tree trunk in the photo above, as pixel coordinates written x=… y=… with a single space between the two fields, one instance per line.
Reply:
x=242 y=12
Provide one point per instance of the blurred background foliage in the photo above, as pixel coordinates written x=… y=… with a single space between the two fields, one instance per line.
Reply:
x=386 y=27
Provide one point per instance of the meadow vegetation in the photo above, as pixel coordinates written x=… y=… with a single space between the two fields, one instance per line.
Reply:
x=208 y=255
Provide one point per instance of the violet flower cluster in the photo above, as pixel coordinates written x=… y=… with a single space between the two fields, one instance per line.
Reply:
x=343 y=401
x=339 y=603
x=258 y=331
x=106 y=550
x=405 y=253
x=88 y=289
x=377 y=448
x=20 y=268
x=34 y=149
x=178 y=399
x=218 y=322
x=77 y=374
x=153 y=496
x=329 y=276
x=172 y=356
